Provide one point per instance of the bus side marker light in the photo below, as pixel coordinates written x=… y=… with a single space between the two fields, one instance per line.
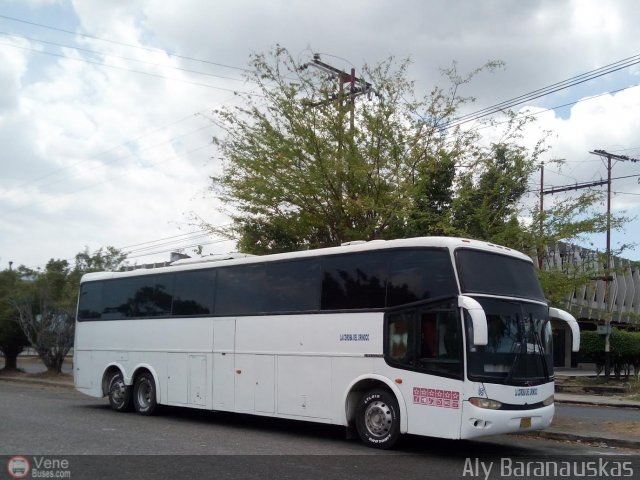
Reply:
x=238 y=372
x=398 y=381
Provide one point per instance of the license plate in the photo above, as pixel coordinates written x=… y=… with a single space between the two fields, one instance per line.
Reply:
x=525 y=422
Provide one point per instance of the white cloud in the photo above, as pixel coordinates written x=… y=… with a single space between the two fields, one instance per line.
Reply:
x=97 y=155
x=13 y=65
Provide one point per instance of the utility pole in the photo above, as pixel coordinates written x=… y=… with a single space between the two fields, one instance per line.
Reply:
x=608 y=277
x=553 y=190
x=357 y=86
x=541 y=247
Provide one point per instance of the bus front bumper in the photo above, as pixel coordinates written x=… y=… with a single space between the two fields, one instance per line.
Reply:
x=480 y=422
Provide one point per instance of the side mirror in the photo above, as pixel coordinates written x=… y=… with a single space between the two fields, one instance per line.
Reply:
x=478 y=319
x=573 y=325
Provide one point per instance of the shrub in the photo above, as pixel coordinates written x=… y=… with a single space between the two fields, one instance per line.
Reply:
x=624 y=351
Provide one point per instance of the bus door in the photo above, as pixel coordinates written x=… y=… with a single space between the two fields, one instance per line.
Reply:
x=426 y=343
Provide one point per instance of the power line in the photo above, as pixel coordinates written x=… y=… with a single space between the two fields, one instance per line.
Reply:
x=541 y=92
x=201 y=244
x=23 y=207
x=126 y=142
x=562 y=174
x=174 y=243
x=86 y=50
x=101 y=64
x=115 y=42
x=571 y=186
x=626 y=193
x=533 y=114
x=105 y=163
x=177 y=245
x=161 y=239
x=576 y=186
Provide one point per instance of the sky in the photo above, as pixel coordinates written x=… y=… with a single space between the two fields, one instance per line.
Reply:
x=105 y=106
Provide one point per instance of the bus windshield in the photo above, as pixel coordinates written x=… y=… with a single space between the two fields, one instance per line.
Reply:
x=519 y=349
x=495 y=274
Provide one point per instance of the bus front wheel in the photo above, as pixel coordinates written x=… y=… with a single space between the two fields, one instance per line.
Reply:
x=378 y=419
x=144 y=394
x=119 y=393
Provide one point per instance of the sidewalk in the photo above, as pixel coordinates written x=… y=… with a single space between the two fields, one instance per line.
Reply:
x=600 y=432
x=597 y=432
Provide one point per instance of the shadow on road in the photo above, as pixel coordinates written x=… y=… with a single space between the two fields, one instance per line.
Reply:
x=409 y=444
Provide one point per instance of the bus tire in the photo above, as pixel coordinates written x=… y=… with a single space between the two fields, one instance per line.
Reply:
x=144 y=395
x=378 y=419
x=120 y=397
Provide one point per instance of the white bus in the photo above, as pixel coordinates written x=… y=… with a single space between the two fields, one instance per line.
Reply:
x=443 y=337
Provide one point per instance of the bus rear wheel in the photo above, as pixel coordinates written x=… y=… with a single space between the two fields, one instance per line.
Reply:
x=378 y=419
x=119 y=393
x=144 y=395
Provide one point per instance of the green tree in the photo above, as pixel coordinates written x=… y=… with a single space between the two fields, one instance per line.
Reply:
x=569 y=220
x=108 y=259
x=489 y=195
x=46 y=312
x=307 y=166
x=46 y=301
x=12 y=339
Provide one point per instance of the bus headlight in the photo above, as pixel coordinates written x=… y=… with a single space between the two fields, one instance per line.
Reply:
x=485 y=403
x=548 y=401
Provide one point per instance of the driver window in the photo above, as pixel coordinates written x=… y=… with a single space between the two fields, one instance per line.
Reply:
x=398 y=337
x=426 y=339
x=440 y=341
x=439 y=335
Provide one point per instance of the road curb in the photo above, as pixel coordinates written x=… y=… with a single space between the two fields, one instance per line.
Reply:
x=37 y=381
x=609 y=442
x=595 y=403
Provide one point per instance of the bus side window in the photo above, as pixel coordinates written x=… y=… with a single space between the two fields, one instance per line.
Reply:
x=399 y=337
x=440 y=341
x=439 y=336
x=450 y=335
x=428 y=336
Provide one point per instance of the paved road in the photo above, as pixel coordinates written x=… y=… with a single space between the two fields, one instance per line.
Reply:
x=57 y=421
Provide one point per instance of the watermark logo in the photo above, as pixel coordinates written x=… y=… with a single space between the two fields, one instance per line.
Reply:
x=569 y=467
x=18 y=467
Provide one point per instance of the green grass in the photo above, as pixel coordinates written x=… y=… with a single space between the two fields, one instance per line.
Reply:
x=633 y=392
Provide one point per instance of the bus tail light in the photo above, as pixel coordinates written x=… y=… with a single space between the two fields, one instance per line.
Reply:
x=485 y=403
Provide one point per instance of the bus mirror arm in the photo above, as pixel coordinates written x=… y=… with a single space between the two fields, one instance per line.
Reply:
x=478 y=319
x=556 y=313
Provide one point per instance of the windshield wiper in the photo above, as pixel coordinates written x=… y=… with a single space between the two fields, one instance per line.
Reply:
x=538 y=340
x=516 y=359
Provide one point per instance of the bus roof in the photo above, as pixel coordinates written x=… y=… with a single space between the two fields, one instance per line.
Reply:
x=450 y=243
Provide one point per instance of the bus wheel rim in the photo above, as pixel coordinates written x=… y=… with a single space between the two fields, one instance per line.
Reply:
x=378 y=418
x=144 y=394
x=117 y=390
